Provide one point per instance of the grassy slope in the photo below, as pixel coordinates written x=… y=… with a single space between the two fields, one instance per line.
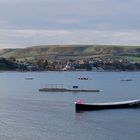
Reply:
x=80 y=50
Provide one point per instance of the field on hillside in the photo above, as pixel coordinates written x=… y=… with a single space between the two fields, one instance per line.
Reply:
x=73 y=51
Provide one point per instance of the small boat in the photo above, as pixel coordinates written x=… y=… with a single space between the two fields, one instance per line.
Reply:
x=126 y=80
x=80 y=106
x=83 y=78
x=29 y=78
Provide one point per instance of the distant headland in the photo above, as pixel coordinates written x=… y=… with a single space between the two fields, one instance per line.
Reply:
x=71 y=58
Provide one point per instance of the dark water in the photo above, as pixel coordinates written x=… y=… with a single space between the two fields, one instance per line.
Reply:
x=27 y=114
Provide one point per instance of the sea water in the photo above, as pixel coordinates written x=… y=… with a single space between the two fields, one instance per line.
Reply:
x=27 y=114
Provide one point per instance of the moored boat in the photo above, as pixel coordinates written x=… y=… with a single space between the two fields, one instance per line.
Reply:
x=83 y=78
x=126 y=80
x=29 y=78
x=80 y=106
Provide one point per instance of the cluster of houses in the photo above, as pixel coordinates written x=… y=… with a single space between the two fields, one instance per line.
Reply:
x=90 y=64
x=95 y=65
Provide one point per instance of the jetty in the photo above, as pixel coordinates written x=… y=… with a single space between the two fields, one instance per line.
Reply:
x=55 y=88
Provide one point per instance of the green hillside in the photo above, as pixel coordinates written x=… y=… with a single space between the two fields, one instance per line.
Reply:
x=53 y=51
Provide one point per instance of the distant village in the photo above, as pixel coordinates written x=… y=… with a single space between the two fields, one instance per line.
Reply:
x=90 y=64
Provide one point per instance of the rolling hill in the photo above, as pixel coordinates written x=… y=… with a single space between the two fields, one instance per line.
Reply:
x=71 y=51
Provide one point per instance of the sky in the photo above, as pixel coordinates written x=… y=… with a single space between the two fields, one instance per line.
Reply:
x=25 y=23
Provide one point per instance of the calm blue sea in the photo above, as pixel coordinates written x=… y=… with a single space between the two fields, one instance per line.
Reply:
x=27 y=114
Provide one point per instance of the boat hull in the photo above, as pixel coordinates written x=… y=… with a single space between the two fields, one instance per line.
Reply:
x=92 y=107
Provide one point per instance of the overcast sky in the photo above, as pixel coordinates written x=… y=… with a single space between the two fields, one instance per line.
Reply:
x=25 y=23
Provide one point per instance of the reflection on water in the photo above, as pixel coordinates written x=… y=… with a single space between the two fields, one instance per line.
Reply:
x=26 y=113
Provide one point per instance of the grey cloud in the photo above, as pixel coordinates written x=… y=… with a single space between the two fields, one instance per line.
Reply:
x=32 y=22
x=74 y=14
x=25 y=38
